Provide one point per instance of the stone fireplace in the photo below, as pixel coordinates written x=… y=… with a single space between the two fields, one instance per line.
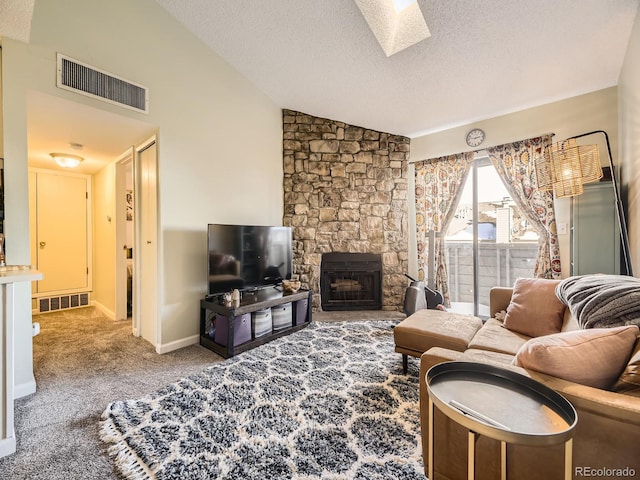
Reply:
x=345 y=191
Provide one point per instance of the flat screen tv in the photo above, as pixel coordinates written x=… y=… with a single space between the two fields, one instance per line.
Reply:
x=247 y=256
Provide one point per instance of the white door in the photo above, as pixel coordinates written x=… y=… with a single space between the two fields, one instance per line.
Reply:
x=146 y=218
x=61 y=238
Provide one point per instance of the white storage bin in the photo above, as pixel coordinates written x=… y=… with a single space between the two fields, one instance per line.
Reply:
x=282 y=316
x=261 y=322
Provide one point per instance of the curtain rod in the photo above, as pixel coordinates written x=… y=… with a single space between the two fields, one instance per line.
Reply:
x=542 y=135
x=482 y=149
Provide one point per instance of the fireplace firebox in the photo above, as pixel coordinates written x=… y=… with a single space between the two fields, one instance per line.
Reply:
x=351 y=281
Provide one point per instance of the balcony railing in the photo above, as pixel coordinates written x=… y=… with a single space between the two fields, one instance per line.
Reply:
x=499 y=264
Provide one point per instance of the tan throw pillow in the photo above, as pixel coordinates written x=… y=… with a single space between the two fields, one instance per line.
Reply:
x=534 y=309
x=629 y=381
x=593 y=357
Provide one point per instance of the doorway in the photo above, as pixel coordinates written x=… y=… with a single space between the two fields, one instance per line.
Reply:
x=136 y=246
x=102 y=137
x=124 y=236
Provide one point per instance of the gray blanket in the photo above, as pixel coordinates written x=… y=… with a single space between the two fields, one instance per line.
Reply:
x=598 y=301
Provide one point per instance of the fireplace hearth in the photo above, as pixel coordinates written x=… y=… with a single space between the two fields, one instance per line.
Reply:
x=351 y=281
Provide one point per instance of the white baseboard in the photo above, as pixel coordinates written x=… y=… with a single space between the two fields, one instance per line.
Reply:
x=8 y=445
x=23 y=389
x=171 y=346
x=110 y=314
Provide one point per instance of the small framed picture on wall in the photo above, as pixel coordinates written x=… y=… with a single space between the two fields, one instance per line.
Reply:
x=129 y=205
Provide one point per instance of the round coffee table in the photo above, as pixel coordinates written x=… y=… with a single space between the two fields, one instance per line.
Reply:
x=500 y=404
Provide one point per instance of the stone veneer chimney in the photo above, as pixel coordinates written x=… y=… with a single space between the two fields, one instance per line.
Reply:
x=345 y=190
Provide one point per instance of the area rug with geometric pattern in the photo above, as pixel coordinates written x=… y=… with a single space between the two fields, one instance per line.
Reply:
x=326 y=402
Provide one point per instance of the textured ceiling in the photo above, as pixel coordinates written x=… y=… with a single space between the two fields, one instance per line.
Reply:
x=484 y=57
x=15 y=19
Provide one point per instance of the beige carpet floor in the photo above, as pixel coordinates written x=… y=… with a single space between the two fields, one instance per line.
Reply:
x=82 y=362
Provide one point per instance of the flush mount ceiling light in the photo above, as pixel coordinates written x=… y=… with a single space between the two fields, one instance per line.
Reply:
x=397 y=24
x=67 y=160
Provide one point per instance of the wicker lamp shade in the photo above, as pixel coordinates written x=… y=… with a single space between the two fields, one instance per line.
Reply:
x=566 y=166
x=568 y=188
x=590 y=160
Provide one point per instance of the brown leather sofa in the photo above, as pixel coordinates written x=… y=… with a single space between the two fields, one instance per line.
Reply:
x=606 y=442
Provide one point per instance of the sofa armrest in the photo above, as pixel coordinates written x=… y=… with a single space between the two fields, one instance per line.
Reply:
x=499 y=299
x=436 y=355
x=433 y=356
x=603 y=403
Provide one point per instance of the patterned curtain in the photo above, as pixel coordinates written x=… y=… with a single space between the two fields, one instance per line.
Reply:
x=515 y=164
x=439 y=185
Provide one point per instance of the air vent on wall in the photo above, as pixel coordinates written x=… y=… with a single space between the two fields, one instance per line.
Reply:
x=64 y=302
x=87 y=80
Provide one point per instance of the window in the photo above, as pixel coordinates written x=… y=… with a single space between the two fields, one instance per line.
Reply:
x=488 y=243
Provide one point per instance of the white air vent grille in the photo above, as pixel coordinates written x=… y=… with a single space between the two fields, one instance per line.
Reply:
x=63 y=302
x=87 y=80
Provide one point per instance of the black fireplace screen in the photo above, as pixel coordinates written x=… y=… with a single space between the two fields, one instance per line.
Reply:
x=351 y=281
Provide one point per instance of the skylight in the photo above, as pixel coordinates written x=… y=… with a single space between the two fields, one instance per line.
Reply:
x=400 y=5
x=397 y=24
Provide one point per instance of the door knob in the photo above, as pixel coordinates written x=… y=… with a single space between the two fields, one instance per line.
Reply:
x=43 y=244
x=148 y=242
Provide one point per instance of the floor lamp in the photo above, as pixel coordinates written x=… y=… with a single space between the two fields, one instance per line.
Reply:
x=567 y=166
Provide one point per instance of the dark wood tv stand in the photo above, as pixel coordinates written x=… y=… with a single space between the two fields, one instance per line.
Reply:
x=250 y=302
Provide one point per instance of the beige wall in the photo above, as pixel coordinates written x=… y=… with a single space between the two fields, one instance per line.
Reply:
x=220 y=140
x=629 y=111
x=104 y=238
x=574 y=116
